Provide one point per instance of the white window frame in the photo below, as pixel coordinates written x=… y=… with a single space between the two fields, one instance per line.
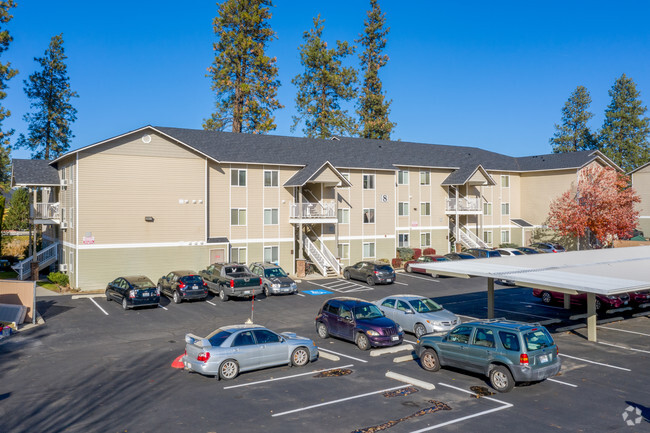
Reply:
x=368 y=181
x=374 y=216
x=487 y=237
x=425 y=208
x=427 y=177
x=505 y=236
x=347 y=177
x=343 y=251
x=505 y=181
x=425 y=239
x=343 y=215
x=274 y=252
x=403 y=208
x=238 y=171
x=239 y=210
x=239 y=251
x=275 y=178
x=271 y=212
x=403 y=240
x=402 y=177
x=505 y=208
x=371 y=250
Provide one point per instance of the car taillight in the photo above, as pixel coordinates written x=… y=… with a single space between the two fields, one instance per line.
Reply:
x=181 y=285
x=260 y=281
x=185 y=352
x=523 y=359
x=232 y=283
x=131 y=294
x=203 y=356
x=557 y=350
x=376 y=272
x=205 y=284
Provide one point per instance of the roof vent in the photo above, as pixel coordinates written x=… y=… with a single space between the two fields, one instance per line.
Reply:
x=146 y=138
x=335 y=138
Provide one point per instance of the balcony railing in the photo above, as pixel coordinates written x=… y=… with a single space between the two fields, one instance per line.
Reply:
x=46 y=211
x=313 y=210
x=464 y=204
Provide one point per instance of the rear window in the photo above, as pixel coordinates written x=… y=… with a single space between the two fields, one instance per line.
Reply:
x=217 y=337
x=537 y=339
x=143 y=284
x=509 y=341
x=192 y=279
x=385 y=268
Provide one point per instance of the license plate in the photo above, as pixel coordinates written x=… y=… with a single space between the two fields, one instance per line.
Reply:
x=145 y=294
x=390 y=280
x=247 y=292
x=395 y=338
x=543 y=358
x=195 y=287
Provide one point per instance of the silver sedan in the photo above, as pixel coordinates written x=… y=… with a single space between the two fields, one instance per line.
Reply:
x=417 y=314
x=233 y=349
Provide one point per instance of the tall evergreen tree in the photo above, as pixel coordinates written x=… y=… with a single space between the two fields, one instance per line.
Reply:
x=323 y=86
x=574 y=134
x=17 y=217
x=373 y=109
x=624 y=136
x=49 y=90
x=243 y=76
x=6 y=73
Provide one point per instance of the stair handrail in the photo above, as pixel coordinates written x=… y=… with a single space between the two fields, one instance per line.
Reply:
x=475 y=239
x=330 y=257
x=24 y=269
x=314 y=253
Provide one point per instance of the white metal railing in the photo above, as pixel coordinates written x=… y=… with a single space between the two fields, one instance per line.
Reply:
x=314 y=253
x=480 y=242
x=464 y=204
x=46 y=211
x=45 y=257
x=468 y=238
x=330 y=258
x=313 y=210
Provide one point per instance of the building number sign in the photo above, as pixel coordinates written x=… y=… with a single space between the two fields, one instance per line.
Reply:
x=384 y=198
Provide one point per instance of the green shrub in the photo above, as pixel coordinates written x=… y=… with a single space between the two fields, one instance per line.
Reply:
x=59 y=278
x=405 y=254
x=384 y=261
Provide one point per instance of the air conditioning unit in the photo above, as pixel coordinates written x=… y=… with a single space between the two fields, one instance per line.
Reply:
x=64 y=225
x=63 y=267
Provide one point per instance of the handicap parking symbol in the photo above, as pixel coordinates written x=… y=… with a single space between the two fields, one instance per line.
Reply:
x=317 y=292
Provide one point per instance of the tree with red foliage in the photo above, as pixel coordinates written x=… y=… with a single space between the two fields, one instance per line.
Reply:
x=602 y=203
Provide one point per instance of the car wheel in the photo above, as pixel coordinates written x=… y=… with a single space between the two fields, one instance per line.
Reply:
x=322 y=330
x=177 y=298
x=108 y=297
x=300 y=357
x=124 y=304
x=419 y=330
x=547 y=298
x=346 y=275
x=266 y=291
x=408 y=269
x=229 y=369
x=222 y=295
x=429 y=360
x=370 y=281
x=599 y=305
x=501 y=379
x=362 y=341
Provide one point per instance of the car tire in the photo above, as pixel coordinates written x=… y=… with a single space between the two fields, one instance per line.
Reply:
x=370 y=281
x=408 y=269
x=501 y=379
x=177 y=298
x=222 y=295
x=300 y=357
x=419 y=330
x=229 y=369
x=346 y=275
x=547 y=298
x=108 y=297
x=429 y=360
x=125 y=306
x=362 y=341
x=599 y=306
x=266 y=291
x=322 y=330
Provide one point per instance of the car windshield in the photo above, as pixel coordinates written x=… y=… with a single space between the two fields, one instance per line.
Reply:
x=424 y=305
x=192 y=279
x=143 y=284
x=367 y=312
x=274 y=272
x=538 y=339
x=384 y=268
x=217 y=337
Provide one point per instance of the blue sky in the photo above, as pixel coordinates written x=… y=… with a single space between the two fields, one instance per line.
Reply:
x=493 y=75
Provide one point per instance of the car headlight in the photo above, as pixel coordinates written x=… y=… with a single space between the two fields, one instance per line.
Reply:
x=275 y=285
x=399 y=329
x=373 y=333
x=294 y=285
x=433 y=322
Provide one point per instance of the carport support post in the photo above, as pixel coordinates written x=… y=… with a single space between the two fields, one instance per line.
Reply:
x=567 y=301
x=591 y=316
x=490 y=304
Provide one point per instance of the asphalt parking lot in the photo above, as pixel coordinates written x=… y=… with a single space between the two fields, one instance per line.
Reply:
x=95 y=367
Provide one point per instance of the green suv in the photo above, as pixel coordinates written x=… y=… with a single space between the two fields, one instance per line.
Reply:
x=505 y=351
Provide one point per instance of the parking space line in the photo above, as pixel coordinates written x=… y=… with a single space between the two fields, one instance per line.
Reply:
x=542 y=305
x=300 y=294
x=96 y=304
x=624 y=330
x=340 y=354
x=623 y=347
x=397 y=282
x=286 y=377
x=211 y=303
x=563 y=383
x=518 y=312
x=354 y=287
x=164 y=308
x=594 y=362
x=337 y=401
x=420 y=278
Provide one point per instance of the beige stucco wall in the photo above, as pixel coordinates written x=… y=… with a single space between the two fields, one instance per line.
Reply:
x=641 y=184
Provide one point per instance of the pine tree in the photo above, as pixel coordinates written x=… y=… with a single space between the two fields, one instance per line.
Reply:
x=574 y=135
x=49 y=90
x=373 y=109
x=17 y=217
x=243 y=76
x=624 y=136
x=6 y=73
x=323 y=86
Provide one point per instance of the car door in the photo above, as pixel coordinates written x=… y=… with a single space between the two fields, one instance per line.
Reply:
x=245 y=350
x=113 y=289
x=454 y=346
x=404 y=315
x=355 y=272
x=345 y=323
x=272 y=349
x=122 y=288
x=167 y=283
x=388 y=308
x=481 y=350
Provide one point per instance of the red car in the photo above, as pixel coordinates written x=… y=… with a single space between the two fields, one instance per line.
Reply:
x=602 y=302
x=411 y=265
x=639 y=298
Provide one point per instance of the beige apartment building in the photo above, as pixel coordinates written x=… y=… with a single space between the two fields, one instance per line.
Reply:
x=158 y=199
x=641 y=183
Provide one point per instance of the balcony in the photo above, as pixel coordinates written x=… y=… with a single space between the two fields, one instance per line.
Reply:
x=46 y=213
x=464 y=206
x=313 y=213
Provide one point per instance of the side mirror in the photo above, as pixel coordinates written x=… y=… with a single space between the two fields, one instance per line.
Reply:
x=383 y=313
x=409 y=311
x=282 y=340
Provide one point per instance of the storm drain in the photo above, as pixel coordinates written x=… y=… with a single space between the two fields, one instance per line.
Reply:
x=437 y=405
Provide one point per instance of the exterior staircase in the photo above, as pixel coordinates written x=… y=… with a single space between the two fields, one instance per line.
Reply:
x=468 y=239
x=46 y=257
x=322 y=257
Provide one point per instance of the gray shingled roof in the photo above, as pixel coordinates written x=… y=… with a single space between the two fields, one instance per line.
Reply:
x=26 y=172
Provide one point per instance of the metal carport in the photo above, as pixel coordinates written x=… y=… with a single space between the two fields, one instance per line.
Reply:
x=604 y=272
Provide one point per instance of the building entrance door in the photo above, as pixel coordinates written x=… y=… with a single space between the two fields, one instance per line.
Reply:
x=218 y=255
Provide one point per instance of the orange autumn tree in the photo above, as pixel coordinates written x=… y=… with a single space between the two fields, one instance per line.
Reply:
x=602 y=203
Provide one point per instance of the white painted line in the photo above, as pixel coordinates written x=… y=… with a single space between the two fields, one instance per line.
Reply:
x=410 y=380
x=300 y=294
x=340 y=354
x=519 y=312
x=624 y=330
x=164 y=308
x=394 y=349
x=397 y=282
x=93 y=301
x=285 y=377
x=94 y=295
x=328 y=356
x=542 y=305
x=594 y=362
x=337 y=401
x=211 y=303
x=563 y=383
x=422 y=278
x=623 y=347
x=405 y=358
x=350 y=285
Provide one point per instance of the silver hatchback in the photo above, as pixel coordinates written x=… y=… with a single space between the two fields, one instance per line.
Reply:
x=417 y=314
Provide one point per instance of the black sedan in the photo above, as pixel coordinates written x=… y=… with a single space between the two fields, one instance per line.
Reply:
x=134 y=291
x=370 y=272
x=180 y=285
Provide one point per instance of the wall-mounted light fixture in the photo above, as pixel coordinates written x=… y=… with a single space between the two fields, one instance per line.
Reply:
x=148 y=219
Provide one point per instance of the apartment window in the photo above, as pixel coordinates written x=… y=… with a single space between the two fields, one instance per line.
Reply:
x=487 y=237
x=347 y=177
x=505 y=237
x=368 y=181
x=505 y=208
x=237 y=177
x=425 y=209
x=425 y=178
x=505 y=181
x=270 y=217
x=368 y=250
x=271 y=254
x=344 y=251
x=403 y=240
x=343 y=216
x=368 y=216
x=403 y=209
x=425 y=239
x=270 y=178
x=402 y=177
x=487 y=209
x=238 y=255
x=238 y=217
